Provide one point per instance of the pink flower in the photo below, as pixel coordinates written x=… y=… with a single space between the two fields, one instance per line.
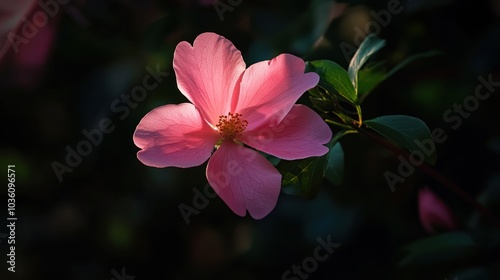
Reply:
x=434 y=214
x=26 y=37
x=11 y=16
x=236 y=110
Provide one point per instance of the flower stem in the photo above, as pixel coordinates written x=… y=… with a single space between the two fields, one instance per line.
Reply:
x=433 y=173
x=344 y=126
x=360 y=115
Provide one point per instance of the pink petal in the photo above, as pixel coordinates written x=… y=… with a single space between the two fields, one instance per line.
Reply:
x=208 y=72
x=434 y=213
x=301 y=134
x=174 y=135
x=244 y=179
x=11 y=16
x=270 y=89
x=34 y=54
x=28 y=63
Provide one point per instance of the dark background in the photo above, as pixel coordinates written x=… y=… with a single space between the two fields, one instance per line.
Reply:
x=112 y=212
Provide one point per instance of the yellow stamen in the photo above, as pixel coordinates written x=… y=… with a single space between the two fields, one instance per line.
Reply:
x=231 y=125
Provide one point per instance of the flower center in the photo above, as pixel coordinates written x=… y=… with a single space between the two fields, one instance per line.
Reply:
x=231 y=125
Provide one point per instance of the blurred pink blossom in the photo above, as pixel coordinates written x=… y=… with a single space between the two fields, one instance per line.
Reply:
x=11 y=15
x=434 y=214
x=27 y=30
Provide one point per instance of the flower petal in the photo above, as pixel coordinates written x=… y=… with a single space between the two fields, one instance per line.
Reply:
x=208 y=72
x=11 y=16
x=301 y=134
x=174 y=135
x=434 y=214
x=244 y=179
x=271 y=88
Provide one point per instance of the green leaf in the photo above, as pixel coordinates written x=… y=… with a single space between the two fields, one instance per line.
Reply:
x=303 y=177
x=321 y=104
x=316 y=93
x=409 y=132
x=335 y=161
x=320 y=99
x=370 y=77
x=441 y=248
x=370 y=45
x=333 y=78
x=335 y=165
